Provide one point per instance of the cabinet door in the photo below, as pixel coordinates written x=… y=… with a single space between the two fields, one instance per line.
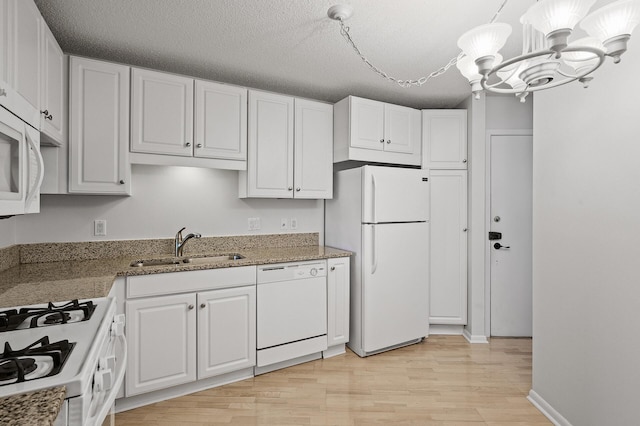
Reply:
x=162 y=113
x=25 y=39
x=448 y=278
x=221 y=121
x=338 y=301
x=367 y=124
x=270 y=146
x=400 y=128
x=5 y=48
x=226 y=330
x=99 y=127
x=54 y=111
x=161 y=335
x=313 y=165
x=444 y=135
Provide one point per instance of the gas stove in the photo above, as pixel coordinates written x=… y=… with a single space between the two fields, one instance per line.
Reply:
x=78 y=344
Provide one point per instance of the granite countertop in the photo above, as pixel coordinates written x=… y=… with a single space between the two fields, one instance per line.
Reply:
x=31 y=283
x=35 y=408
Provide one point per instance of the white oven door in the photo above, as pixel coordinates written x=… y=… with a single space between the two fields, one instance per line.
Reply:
x=21 y=166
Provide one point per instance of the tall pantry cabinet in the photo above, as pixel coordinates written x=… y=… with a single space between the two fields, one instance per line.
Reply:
x=444 y=134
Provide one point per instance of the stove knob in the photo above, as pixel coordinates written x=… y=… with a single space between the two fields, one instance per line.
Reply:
x=102 y=380
x=313 y=272
x=107 y=363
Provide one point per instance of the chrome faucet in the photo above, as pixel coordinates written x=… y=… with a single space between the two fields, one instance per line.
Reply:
x=180 y=242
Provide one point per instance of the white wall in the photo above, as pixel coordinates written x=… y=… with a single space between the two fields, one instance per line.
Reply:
x=7 y=232
x=508 y=113
x=476 y=110
x=164 y=200
x=586 y=288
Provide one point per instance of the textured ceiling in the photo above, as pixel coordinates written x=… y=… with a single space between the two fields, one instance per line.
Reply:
x=285 y=46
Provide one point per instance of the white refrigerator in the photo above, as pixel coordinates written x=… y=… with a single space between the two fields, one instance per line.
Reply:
x=382 y=215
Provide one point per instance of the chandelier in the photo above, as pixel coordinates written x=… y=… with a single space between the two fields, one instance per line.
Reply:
x=548 y=59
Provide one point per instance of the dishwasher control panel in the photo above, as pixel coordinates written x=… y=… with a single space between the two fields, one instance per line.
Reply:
x=291 y=271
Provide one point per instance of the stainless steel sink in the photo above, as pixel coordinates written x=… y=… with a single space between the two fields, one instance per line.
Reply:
x=195 y=260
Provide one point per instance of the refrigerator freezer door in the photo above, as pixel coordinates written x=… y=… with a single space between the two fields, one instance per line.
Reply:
x=395 y=284
x=393 y=194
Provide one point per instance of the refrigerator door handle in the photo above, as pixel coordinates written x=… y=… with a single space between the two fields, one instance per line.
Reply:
x=373 y=196
x=374 y=252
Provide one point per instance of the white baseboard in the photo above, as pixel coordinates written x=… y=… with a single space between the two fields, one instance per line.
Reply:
x=474 y=338
x=546 y=409
x=454 y=330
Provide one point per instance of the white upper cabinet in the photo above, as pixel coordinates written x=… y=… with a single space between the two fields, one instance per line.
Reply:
x=444 y=136
x=4 y=40
x=24 y=43
x=53 y=121
x=367 y=130
x=270 y=147
x=313 y=147
x=282 y=163
x=221 y=121
x=98 y=128
x=162 y=113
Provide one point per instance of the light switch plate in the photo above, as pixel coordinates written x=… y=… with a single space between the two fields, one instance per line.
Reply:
x=293 y=223
x=100 y=228
x=284 y=223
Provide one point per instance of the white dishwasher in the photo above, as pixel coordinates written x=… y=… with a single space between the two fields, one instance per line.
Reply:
x=291 y=314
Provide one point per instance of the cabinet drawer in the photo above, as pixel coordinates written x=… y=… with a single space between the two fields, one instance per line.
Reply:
x=189 y=281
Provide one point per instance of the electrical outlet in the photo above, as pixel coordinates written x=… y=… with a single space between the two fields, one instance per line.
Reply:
x=284 y=223
x=293 y=223
x=253 y=223
x=100 y=228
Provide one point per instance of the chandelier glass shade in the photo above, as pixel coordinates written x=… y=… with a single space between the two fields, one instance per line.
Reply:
x=548 y=59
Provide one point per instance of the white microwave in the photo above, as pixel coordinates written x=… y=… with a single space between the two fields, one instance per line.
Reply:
x=21 y=164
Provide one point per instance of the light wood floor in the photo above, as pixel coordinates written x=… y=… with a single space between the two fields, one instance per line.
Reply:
x=442 y=381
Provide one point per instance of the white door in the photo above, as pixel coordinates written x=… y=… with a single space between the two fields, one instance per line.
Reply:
x=313 y=165
x=338 y=301
x=161 y=335
x=270 y=145
x=26 y=39
x=448 y=270
x=226 y=330
x=511 y=215
x=367 y=124
x=399 y=131
x=392 y=194
x=221 y=121
x=54 y=114
x=161 y=113
x=98 y=127
x=395 y=292
x=444 y=139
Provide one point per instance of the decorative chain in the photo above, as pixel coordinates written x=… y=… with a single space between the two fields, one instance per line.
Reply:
x=344 y=31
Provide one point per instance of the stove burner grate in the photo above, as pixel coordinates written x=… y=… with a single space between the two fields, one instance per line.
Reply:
x=15 y=365
x=73 y=311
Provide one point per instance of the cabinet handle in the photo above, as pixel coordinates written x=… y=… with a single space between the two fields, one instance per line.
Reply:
x=199 y=145
x=290 y=188
x=46 y=114
x=190 y=307
x=465 y=229
x=202 y=305
x=121 y=181
x=389 y=141
x=333 y=268
x=188 y=144
x=298 y=189
x=381 y=140
x=464 y=161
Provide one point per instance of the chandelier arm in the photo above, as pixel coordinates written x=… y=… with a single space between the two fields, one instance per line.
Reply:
x=344 y=31
x=569 y=78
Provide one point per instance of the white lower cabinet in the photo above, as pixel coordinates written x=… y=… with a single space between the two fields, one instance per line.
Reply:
x=338 y=301
x=226 y=331
x=161 y=333
x=207 y=330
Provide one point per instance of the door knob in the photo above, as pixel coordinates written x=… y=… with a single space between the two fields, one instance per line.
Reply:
x=499 y=246
x=496 y=219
